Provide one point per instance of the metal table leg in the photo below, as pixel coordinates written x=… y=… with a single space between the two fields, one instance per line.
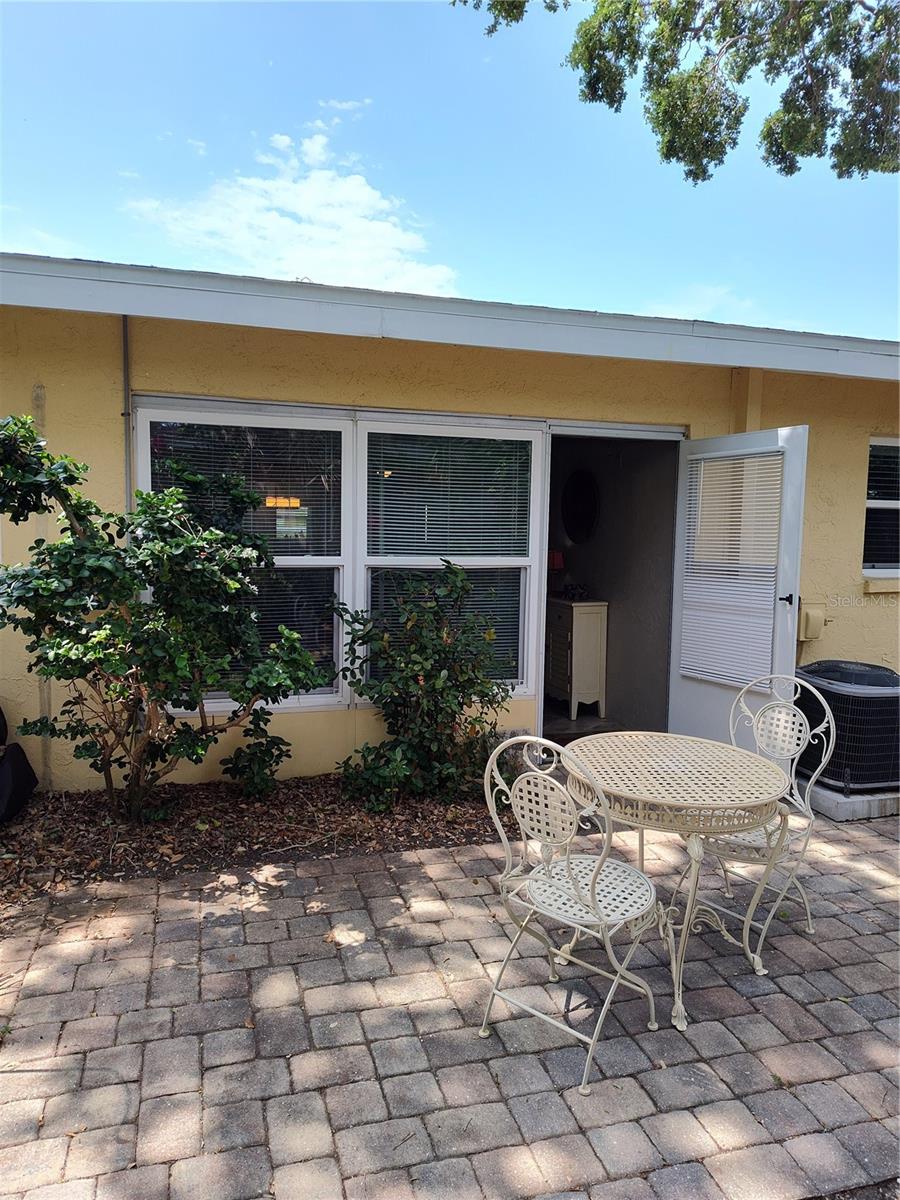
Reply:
x=677 y=934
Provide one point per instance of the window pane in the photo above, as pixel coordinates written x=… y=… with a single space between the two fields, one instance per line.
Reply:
x=496 y=594
x=299 y=598
x=296 y=471
x=447 y=495
x=882 y=544
x=884 y=473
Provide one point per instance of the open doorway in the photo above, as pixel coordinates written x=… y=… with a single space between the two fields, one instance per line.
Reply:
x=609 y=584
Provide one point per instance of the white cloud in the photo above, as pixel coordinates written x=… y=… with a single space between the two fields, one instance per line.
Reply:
x=197 y=145
x=702 y=302
x=314 y=150
x=345 y=105
x=304 y=218
x=129 y=175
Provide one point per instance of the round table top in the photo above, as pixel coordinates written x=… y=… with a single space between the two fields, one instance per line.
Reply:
x=673 y=769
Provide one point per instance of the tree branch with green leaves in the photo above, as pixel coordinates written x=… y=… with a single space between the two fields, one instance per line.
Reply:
x=837 y=62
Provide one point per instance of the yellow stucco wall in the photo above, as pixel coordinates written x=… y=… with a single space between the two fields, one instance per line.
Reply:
x=842 y=415
x=271 y=365
x=67 y=369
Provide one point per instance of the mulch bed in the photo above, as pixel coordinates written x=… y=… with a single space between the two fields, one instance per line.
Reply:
x=68 y=839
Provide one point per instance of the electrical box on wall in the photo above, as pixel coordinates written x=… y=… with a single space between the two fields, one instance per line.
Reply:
x=811 y=618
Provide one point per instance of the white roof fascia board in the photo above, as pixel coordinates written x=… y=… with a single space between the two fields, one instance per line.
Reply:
x=75 y=285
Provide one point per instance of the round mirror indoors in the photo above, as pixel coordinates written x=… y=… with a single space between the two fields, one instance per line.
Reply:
x=580 y=505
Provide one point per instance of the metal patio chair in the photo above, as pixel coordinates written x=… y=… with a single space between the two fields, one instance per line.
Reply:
x=553 y=799
x=781 y=730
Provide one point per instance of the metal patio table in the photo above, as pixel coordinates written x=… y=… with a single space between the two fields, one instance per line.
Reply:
x=695 y=788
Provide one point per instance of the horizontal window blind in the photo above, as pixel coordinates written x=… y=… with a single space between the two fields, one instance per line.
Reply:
x=496 y=595
x=436 y=495
x=884 y=472
x=730 y=566
x=300 y=598
x=881 y=549
x=297 y=472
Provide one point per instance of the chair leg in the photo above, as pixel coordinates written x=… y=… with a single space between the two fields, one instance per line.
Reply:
x=622 y=969
x=621 y=973
x=681 y=878
x=640 y=849
x=755 y=959
x=810 y=927
x=728 y=892
x=484 y=1031
x=567 y=948
x=584 y=1088
x=552 y=960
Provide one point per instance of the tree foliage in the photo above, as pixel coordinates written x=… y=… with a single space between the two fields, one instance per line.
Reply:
x=838 y=62
x=140 y=616
x=430 y=666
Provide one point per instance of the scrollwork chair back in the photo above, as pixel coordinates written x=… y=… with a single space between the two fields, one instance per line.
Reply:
x=767 y=710
x=553 y=799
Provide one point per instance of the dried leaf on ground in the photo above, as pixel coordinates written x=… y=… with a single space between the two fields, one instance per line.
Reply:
x=66 y=839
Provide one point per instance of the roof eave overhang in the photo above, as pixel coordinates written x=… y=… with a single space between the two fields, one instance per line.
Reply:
x=75 y=285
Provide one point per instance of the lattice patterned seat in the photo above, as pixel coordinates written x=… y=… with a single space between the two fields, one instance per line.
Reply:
x=553 y=798
x=758 y=842
x=622 y=893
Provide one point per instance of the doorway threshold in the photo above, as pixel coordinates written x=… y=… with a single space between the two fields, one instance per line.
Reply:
x=560 y=729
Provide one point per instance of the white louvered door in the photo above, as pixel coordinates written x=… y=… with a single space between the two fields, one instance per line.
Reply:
x=737 y=571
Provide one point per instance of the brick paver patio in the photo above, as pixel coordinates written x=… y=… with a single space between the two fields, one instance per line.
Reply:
x=309 y=1031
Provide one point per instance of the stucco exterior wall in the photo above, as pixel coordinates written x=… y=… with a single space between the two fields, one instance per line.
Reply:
x=272 y=365
x=66 y=369
x=842 y=415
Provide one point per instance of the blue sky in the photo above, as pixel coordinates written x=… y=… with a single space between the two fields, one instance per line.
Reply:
x=393 y=145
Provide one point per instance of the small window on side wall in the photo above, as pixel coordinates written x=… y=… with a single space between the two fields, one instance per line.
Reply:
x=881 y=548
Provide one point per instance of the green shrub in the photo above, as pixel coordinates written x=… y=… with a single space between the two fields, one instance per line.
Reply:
x=140 y=616
x=430 y=666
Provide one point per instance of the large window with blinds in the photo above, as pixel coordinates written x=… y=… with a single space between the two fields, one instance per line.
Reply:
x=358 y=508
x=444 y=492
x=297 y=470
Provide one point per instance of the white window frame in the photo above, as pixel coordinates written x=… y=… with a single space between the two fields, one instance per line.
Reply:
x=212 y=412
x=353 y=564
x=528 y=563
x=879 y=572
